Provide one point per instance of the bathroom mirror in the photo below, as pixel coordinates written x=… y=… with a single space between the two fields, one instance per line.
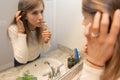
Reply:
x=63 y=17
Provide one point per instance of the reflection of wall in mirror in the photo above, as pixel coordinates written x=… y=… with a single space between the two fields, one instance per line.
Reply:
x=7 y=11
x=69 y=30
x=66 y=22
x=49 y=17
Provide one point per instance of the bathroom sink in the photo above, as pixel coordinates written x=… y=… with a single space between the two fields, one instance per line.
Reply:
x=39 y=68
x=74 y=73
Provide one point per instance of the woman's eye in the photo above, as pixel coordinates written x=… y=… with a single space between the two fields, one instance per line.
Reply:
x=41 y=11
x=35 y=13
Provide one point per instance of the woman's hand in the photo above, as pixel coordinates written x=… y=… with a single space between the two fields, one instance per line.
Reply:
x=100 y=42
x=85 y=48
x=21 y=28
x=46 y=35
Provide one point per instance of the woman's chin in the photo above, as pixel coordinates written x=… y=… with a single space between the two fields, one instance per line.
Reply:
x=39 y=26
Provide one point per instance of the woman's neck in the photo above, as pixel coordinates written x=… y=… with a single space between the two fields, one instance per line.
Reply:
x=32 y=28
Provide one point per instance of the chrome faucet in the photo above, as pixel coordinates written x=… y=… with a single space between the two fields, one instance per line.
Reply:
x=52 y=74
x=58 y=69
x=52 y=68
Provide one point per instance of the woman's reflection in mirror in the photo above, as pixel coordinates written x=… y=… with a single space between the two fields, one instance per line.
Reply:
x=28 y=32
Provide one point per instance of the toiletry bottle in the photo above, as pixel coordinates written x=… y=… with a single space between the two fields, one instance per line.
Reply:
x=76 y=54
x=71 y=62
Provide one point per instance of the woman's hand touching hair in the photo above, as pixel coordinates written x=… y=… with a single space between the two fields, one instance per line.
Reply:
x=100 y=43
x=21 y=28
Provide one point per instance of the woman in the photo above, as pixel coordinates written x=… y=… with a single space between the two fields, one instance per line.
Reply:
x=102 y=21
x=27 y=32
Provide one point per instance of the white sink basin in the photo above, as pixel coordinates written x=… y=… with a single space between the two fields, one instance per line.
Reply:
x=38 y=68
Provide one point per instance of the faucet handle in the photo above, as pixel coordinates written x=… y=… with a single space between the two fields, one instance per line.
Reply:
x=48 y=73
x=58 y=68
x=52 y=68
x=60 y=65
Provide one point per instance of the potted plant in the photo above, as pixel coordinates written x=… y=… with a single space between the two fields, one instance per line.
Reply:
x=27 y=76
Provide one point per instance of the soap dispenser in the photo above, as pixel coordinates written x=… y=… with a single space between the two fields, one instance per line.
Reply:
x=71 y=62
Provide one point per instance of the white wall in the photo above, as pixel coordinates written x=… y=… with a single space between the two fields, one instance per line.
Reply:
x=49 y=17
x=7 y=8
x=69 y=31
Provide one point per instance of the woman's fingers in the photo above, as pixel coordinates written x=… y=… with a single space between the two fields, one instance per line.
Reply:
x=17 y=14
x=19 y=22
x=97 y=52
x=115 y=28
x=92 y=30
x=46 y=35
x=96 y=23
x=104 y=25
x=85 y=48
x=87 y=31
x=18 y=19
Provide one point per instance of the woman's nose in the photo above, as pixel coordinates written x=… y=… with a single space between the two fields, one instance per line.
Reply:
x=40 y=16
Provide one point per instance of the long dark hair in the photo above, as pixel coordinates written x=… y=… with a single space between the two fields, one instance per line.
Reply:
x=24 y=6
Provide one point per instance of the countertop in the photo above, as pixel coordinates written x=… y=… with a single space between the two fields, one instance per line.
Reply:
x=60 y=54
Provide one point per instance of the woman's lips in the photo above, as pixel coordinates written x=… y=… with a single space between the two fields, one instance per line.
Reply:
x=41 y=22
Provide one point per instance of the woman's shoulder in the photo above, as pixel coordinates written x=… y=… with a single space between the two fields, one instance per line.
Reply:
x=13 y=27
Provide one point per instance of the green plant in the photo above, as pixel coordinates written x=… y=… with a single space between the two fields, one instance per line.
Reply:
x=27 y=76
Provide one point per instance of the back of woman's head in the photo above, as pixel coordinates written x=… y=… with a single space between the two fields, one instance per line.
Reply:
x=109 y=6
x=112 y=68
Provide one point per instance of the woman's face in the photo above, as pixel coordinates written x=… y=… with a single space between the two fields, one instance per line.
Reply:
x=87 y=18
x=35 y=17
x=90 y=7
